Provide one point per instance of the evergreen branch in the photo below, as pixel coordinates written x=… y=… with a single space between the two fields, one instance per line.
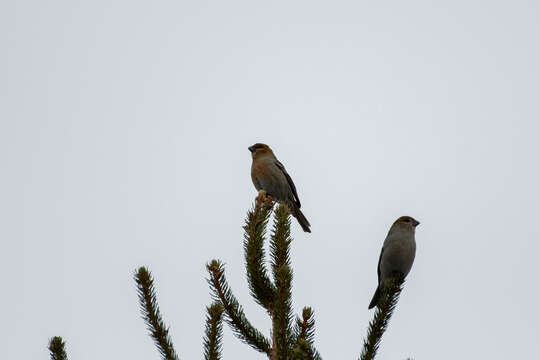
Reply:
x=390 y=295
x=305 y=327
x=151 y=314
x=304 y=335
x=281 y=239
x=214 y=332
x=281 y=318
x=260 y=286
x=56 y=347
x=236 y=318
x=303 y=351
x=282 y=309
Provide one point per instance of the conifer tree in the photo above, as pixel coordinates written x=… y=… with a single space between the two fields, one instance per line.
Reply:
x=291 y=337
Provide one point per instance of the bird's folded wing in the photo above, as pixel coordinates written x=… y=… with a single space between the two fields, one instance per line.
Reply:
x=289 y=180
x=379 y=266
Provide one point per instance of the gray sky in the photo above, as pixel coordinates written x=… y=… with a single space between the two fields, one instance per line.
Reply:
x=124 y=129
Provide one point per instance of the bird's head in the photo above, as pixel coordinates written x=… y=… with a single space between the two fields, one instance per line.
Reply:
x=259 y=149
x=406 y=222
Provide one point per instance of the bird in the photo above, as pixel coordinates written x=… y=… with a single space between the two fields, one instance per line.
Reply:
x=270 y=176
x=397 y=253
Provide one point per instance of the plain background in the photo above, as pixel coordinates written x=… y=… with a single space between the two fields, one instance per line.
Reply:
x=123 y=142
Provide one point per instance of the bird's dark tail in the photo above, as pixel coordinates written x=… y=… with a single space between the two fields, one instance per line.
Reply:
x=304 y=223
x=376 y=298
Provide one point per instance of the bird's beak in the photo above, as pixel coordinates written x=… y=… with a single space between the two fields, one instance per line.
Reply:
x=251 y=148
x=416 y=223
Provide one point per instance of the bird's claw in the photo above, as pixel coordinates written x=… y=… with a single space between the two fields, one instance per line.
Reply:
x=264 y=199
x=261 y=196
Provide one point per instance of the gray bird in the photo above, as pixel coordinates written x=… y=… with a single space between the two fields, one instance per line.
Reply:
x=397 y=253
x=268 y=174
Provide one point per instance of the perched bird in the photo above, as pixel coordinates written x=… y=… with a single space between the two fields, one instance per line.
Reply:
x=269 y=174
x=397 y=253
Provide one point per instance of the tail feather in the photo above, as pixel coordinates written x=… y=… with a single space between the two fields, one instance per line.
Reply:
x=375 y=299
x=304 y=223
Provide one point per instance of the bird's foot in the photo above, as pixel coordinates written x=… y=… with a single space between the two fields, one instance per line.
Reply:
x=261 y=197
x=264 y=199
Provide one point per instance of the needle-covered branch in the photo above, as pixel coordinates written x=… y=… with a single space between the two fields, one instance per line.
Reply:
x=378 y=325
x=151 y=314
x=57 y=348
x=214 y=332
x=262 y=289
x=304 y=335
x=235 y=316
x=305 y=328
x=282 y=310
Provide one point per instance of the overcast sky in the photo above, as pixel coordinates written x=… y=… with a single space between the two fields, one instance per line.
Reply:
x=124 y=128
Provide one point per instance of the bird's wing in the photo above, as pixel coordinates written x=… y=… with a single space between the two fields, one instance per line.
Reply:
x=379 y=266
x=289 y=180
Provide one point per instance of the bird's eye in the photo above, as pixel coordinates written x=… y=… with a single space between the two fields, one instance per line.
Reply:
x=407 y=220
